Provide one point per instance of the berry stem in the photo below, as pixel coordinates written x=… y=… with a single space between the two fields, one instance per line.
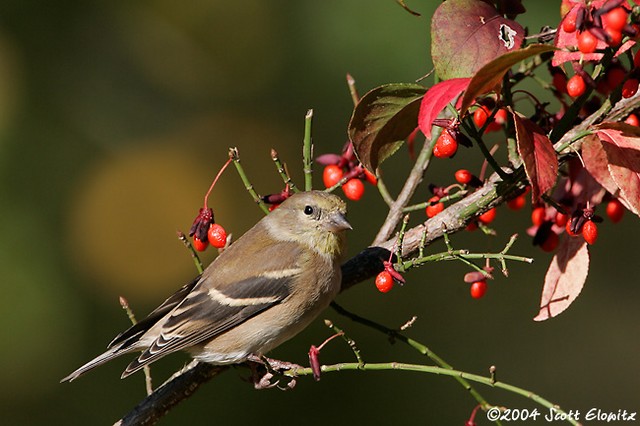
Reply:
x=282 y=171
x=350 y=341
x=307 y=152
x=476 y=136
x=403 y=228
x=206 y=196
x=235 y=156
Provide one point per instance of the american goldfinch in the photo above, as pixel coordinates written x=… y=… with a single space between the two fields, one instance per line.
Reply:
x=262 y=290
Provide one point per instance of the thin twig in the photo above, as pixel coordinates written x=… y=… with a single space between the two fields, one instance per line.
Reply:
x=235 y=156
x=282 y=171
x=148 y=382
x=307 y=152
x=194 y=255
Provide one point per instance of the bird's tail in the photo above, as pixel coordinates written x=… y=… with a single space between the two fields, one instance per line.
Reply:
x=110 y=354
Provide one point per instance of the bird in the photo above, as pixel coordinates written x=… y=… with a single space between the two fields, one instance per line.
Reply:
x=262 y=290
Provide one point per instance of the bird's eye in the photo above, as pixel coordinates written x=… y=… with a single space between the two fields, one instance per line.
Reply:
x=308 y=210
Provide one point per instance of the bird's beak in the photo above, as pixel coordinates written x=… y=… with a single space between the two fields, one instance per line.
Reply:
x=337 y=222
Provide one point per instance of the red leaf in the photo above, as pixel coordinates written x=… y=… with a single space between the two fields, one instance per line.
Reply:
x=565 y=277
x=595 y=161
x=466 y=34
x=436 y=99
x=490 y=75
x=538 y=156
x=621 y=143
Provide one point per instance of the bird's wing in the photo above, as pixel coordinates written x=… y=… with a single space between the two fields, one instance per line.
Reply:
x=211 y=310
x=133 y=333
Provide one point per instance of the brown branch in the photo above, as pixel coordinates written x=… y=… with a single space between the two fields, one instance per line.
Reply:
x=368 y=263
x=179 y=387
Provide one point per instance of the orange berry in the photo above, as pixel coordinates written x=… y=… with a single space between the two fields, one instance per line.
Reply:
x=538 y=216
x=569 y=22
x=480 y=116
x=576 y=86
x=590 y=232
x=561 y=219
x=371 y=178
x=570 y=232
x=384 y=282
x=434 y=209
x=615 y=210
x=629 y=88
x=615 y=19
x=517 y=203
x=353 y=189
x=331 y=175
x=632 y=119
x=217 y=236
x=478 y=289
x=200 y=245
x=587 y=42
x=446 y=145
x=488 y=216
x=463 y=176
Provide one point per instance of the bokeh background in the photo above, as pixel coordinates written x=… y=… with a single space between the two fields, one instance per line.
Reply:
x=115 y=116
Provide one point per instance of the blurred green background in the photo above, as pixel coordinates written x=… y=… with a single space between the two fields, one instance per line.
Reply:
x=115 y=116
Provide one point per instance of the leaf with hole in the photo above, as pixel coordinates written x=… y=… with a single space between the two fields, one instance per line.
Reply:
x=467 y=34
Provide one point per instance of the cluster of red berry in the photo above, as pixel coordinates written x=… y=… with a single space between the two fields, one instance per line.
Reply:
x=204 y=230
x=346 y=167
x=598 y=27
x=548 y=222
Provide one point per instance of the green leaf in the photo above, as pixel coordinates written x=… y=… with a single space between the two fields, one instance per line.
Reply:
x=381 y=121
x=466 y=34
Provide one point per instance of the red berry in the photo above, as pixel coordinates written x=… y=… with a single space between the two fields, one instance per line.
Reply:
x=488 y=216
x=560 y=82
x=615 y=37
x=272 y=207
x=436 y=208
x=478 y=289
x=371 y=178
x=501 y=116
x=384 y=282
x=471 y=226
x=590 y=232
x=217 y=236
x=199 y=244
x=353 y=189
x=632 y=119
x=463 y=176
x=615 y=19
x=587 y=42
x=576 y=86
x=615 y=210
x=569 y=22
x=561 y=219
x=629 y=88
x=446 y=145
x=517 y=203
x=538 y=216
x=331 y=175
x=636 y=59
x=480 y=116
x=550 y=243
